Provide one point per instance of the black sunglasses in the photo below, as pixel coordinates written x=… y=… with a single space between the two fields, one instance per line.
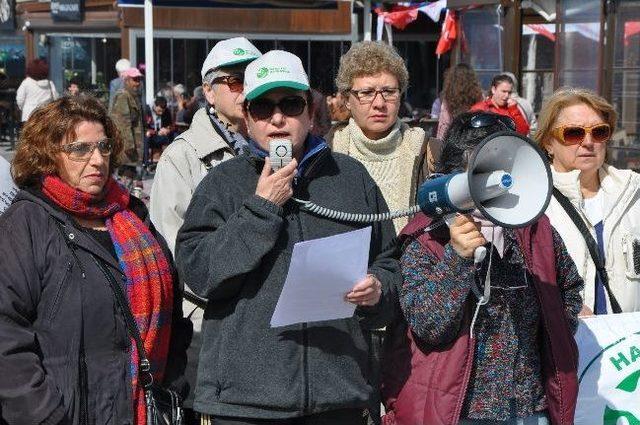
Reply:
x=291 y=106
x=483 y=119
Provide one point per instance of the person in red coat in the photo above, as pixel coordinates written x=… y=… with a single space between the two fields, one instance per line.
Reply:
x=500 y=103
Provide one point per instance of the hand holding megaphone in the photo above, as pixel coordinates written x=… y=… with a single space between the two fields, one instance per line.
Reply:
x=466 y=236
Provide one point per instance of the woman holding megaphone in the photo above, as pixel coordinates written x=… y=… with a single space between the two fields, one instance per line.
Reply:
x=596 y=207
x=490 y=340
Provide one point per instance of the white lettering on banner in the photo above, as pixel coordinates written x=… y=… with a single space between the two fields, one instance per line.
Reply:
x=609 y=370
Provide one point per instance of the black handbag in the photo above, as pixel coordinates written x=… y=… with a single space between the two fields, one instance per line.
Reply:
x=591 y=244
x=163 y=405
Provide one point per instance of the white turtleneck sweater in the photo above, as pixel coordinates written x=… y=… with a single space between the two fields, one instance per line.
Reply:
x=392 y=161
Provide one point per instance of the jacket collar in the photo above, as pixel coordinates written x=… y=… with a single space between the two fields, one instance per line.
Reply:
x=614 y=183
x=313 y=146
x=203 y=138
x=73 y=232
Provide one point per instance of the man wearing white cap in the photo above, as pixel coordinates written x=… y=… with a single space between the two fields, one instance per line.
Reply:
x=216 y=134
x=235 y=247
x=117 y=83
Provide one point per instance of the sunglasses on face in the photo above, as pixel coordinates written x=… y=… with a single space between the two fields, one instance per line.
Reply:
x=234 y=82
x=262 y=109
x=486 y=120
x=575 y=134
x=82 y=151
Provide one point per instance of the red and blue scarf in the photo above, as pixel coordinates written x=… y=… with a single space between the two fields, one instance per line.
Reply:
x=149 y=282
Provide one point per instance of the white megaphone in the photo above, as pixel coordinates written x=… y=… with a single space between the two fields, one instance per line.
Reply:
x=508 y=180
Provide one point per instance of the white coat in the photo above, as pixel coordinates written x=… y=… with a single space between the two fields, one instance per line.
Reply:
x=621 y=193
x=32 y=94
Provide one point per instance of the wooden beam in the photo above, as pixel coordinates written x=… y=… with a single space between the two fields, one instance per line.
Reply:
x=298 y=21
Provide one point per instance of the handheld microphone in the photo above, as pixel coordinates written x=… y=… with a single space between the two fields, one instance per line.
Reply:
x=280 y=153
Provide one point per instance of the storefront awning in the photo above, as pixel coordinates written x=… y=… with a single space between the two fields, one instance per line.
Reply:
x=251 y=4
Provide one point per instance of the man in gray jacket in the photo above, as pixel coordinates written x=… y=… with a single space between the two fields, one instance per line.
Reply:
x=216 y=134
x=235 y=249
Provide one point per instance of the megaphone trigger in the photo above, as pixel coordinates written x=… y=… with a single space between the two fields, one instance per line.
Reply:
x=479 y=255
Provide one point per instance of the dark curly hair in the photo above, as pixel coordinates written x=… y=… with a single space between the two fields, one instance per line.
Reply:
x=461 y=89
x=48 y=127
x=460 y=141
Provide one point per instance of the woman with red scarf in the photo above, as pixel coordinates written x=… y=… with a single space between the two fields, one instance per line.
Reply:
x=66 y=356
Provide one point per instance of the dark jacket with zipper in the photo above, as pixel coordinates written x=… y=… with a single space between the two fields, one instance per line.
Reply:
x=64 y=346
x=234 y=249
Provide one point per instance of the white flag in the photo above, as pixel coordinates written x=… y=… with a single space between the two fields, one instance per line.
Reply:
x=433 y=10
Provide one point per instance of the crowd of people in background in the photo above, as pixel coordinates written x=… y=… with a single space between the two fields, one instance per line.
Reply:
x=196 y=277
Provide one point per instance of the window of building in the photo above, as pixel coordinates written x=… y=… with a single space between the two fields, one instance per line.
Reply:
x=12 y=60
x=481 y=41
x=87 y=58
x=537 y=60
x=625 y=85
x=579 y=43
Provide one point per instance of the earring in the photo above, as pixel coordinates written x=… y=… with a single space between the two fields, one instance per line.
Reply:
x=549 y=155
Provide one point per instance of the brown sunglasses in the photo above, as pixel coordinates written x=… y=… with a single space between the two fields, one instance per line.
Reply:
x=234 y=82
x=575 y=134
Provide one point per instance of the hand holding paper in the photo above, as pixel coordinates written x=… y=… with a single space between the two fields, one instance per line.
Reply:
x=326 y=278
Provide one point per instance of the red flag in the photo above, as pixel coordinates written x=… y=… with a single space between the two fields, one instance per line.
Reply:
x=631 y=28
x=543 y=31
x=400 y=16
x=449 y=33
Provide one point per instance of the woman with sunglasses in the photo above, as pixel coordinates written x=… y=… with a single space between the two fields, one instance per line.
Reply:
x=235 y=248
x=65 y=353
x=508 y=360
x=575 y=126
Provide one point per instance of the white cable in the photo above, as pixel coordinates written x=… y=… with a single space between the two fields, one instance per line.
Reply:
x=354 y=217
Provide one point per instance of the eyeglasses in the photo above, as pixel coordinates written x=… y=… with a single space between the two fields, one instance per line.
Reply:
x=291 y=106
x=575 y=134
x=82 y=151
x=234 y=82
x=389 y=94
x=484 y=119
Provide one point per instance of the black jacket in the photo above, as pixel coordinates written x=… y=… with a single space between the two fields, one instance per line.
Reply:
x=234 y=249
x=64 y=346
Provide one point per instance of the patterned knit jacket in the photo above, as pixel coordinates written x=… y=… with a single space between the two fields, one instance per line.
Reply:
x=425 y=385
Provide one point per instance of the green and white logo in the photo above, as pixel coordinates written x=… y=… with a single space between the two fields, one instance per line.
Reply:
x=239 y=52
x=610 y=385
x=262 y=72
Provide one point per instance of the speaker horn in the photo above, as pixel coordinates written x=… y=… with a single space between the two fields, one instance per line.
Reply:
x=508 y=179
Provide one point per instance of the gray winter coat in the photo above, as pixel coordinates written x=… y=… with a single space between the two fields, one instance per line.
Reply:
x=64 y=346
x=234 y=249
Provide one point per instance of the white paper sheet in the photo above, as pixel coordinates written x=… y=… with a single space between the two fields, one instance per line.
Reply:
x=321 y=272
x=8 y=189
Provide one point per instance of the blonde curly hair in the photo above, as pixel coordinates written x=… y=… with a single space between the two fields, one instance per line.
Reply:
x=370 y=58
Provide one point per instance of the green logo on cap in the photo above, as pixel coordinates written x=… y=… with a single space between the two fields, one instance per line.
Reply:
x=239 y=52
x=262 y=72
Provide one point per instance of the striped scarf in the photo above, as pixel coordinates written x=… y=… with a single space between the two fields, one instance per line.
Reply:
x=149 y=280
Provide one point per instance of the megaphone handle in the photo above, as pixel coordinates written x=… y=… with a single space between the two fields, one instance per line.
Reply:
x=479 y=255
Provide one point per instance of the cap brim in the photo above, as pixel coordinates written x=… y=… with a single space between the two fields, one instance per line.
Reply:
x=260 y=90
x=235 y=62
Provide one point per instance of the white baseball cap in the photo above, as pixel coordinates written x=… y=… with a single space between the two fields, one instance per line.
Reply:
x=122 y=65
x=231 y=51
x=274 y=69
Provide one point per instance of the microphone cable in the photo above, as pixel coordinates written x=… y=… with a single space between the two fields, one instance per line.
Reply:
x=355 y=217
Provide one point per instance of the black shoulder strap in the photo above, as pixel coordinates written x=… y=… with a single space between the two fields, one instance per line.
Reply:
x=591 y=244
x=145 y=366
